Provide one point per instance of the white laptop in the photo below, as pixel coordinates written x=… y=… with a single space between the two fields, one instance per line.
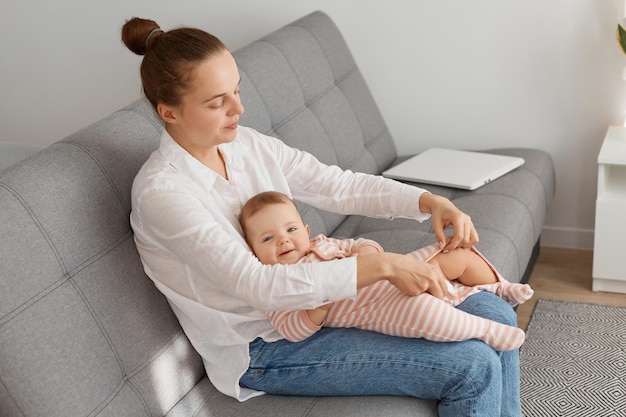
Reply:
x=454 y=168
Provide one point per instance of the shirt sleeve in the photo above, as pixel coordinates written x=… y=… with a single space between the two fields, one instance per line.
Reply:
x=342 y=191
x=186 y=248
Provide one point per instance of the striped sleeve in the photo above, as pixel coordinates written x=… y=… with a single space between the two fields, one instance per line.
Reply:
x=294 y=326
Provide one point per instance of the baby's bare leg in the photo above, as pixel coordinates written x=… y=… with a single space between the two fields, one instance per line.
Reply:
x=465 y=266
x=469 y=268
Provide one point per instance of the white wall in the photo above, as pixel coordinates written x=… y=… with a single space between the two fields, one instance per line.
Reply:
x=468 y=74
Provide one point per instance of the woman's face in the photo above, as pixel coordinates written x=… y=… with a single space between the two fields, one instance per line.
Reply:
x=209 y=112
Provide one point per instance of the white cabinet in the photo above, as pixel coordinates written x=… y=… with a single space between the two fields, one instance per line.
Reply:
x=609 y=249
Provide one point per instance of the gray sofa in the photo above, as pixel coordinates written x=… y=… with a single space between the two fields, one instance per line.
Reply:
x=83 y=331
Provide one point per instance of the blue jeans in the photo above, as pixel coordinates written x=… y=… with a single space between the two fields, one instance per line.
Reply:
x=468 y=378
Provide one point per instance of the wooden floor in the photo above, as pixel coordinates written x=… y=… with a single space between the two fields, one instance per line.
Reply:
x=564 y=274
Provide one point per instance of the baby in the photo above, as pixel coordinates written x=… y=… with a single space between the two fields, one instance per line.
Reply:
x=276 y=233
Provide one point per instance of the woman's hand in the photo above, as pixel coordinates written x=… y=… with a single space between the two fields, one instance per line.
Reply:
x=444 y=213
x=408 y=274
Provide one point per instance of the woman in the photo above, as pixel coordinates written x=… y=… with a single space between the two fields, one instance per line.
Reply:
x=185 y=203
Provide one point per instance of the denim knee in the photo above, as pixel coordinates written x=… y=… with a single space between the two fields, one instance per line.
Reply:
x=489 y=306
x=506 y=314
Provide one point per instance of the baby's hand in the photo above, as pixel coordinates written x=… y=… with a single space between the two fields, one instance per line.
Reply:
x=318 y=315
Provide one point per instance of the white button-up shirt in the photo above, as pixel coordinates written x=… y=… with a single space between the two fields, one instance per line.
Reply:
x=185 y=219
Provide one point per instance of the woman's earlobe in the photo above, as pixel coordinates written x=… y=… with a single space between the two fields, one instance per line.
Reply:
x=166 y=113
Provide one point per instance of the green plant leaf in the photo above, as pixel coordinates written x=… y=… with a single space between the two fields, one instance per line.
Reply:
x=621 y=38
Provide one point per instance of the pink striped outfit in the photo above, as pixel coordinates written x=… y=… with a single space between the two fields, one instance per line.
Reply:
x=383 y=308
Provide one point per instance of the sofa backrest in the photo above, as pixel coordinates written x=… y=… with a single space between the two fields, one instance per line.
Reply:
x=82 y=330
x=302 y=85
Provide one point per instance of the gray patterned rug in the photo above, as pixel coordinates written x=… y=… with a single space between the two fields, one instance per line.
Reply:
x=573 y=362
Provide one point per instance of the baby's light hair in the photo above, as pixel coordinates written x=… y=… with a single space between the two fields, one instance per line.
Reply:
x=260 y=201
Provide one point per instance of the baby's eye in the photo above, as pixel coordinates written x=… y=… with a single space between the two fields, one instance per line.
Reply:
x=292 y=229
x=267 y=239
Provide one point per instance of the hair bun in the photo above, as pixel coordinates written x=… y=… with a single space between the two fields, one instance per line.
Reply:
x=139 y=34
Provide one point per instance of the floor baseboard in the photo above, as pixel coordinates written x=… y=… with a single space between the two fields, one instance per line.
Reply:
x=568 y=238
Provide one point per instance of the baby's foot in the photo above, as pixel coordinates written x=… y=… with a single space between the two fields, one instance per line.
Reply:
x=502 y=337
x=514 y=293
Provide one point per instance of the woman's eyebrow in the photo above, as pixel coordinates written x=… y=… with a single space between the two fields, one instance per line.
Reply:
x=221 y=94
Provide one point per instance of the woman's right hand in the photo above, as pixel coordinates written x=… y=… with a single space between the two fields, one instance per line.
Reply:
x=409 y=275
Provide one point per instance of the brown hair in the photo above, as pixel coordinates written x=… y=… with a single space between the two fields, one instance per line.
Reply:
x=259 y=201
x=169 y=57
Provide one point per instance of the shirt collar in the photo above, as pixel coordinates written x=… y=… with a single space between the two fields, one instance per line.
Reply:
x=182 y=160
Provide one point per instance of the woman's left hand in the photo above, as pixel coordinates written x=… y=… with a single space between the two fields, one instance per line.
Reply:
x=444 y=213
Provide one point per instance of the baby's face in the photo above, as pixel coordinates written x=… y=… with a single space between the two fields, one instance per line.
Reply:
x=277 y=234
